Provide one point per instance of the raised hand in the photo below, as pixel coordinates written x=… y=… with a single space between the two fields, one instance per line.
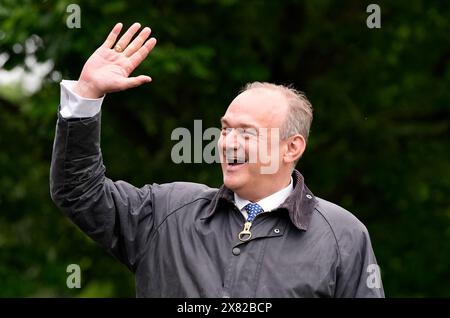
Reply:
x=109 y=67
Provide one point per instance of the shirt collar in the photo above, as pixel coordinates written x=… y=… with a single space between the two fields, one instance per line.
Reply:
x=300 y=203
x=268 y=203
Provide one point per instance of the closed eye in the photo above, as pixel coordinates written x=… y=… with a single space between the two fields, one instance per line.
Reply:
x=250 y=131
x=243 y=132
x=225 y=131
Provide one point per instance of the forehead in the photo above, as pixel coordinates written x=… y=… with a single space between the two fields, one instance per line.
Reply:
x=257 y=107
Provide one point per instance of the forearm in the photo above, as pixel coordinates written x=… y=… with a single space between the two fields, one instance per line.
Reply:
x=77 y=136
x=77 y=164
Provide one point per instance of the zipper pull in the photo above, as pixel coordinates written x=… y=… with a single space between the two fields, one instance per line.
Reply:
x=245 y=234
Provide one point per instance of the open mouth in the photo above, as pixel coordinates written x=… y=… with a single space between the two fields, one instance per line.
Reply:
x=236 y=161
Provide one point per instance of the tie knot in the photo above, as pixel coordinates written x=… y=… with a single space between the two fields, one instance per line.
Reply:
x=253 y=209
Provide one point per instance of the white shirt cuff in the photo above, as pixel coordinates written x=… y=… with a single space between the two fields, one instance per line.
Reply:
x=75 y=106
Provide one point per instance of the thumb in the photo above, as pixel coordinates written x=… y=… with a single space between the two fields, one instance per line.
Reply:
x=131 y=82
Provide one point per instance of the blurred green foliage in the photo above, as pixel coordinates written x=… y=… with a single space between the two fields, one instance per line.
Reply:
x=379 y=143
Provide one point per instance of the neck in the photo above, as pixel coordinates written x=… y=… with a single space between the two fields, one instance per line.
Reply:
x=253 y=196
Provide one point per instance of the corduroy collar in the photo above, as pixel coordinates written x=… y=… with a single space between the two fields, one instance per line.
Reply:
x=299 y=204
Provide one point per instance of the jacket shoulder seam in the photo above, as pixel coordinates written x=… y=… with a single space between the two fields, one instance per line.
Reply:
x=176 y=210
x=334 y=234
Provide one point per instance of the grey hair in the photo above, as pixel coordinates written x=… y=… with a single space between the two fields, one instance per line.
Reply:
x=300 y=112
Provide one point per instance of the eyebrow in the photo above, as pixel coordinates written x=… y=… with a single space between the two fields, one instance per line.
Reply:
x=225 y=122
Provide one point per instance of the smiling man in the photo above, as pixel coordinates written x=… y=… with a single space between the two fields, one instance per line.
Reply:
x=262 y=234
x=269 y=117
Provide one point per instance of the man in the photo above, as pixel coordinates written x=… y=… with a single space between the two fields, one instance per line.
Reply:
x=262 y=234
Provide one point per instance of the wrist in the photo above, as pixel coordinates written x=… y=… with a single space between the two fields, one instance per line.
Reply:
x=85 y=89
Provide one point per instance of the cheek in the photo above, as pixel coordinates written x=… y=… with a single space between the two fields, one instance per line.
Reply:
x=283 y=149
x=251 y=151
x=262 y=150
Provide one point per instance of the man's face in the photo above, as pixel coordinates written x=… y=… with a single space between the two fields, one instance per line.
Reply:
x=250 y=146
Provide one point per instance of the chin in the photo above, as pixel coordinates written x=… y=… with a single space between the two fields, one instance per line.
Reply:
x=231 y=182
x=235 y=177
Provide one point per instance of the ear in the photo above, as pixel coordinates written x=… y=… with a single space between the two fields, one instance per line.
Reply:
x=296 y=146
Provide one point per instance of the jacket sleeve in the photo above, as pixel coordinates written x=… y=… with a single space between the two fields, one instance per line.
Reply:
x=115 y=214
x=358 y=274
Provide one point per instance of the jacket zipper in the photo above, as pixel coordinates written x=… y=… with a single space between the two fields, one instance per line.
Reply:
x=246 y=234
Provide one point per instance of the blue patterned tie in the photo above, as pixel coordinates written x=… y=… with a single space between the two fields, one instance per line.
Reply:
x=253 y=209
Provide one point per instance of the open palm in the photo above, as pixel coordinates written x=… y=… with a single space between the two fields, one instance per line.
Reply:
x=108 y=69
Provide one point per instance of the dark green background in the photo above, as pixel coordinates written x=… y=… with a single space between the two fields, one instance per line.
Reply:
x=379 y=142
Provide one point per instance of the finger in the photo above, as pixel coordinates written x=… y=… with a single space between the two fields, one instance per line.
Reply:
x=138 y=41
x=126 y=38
x=112 y=36
x=131 y=82
x=142 y=53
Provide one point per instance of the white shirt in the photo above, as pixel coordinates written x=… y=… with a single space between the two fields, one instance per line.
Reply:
x=75 y=106
x=269 y=203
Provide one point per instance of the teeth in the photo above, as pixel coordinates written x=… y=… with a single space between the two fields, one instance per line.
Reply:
x=236 y=161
